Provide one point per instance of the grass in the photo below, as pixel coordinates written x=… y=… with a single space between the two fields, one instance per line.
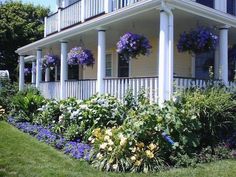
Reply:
x=22 y=155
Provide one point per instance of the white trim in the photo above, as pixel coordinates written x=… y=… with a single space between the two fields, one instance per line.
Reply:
x=136 y=8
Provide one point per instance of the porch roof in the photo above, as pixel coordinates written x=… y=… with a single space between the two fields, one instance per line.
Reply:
x=137 y=8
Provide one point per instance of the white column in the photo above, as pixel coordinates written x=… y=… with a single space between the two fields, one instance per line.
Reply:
x=38 y=68
x=107 y=6
x=83 y=10
x=221 y=5
x=47 y=74
x=101 y=61
x=223 y=47
x=21 y=73
x=59 y=20
x=217 y=64
x=163 y=70
x=64 y=70
x=33 y=74
x=45 y=26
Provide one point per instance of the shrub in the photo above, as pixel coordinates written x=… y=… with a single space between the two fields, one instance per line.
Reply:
x=7 y=91
x=215 y=109
x=25 y=104
x=76 y=119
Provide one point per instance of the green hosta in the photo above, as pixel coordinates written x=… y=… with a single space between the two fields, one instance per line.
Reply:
x=26 y=103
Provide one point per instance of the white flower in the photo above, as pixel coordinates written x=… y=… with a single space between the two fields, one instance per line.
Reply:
x=110 y=142
x=99 y=156
x=108 y=132
x=110 y=149
x=106 y=138
x=83 y=106
x=115 y=166
x=103 y=146
x=133 y=158
x=61 y=117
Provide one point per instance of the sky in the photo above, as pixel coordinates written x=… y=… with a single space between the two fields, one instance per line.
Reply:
x=47 y=3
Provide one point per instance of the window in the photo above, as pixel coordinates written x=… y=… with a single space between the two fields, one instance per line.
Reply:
x=108 y=65
x=123 y=68
x=73 y=72
x=231 y=7
x=203 y=63
x=209 y=3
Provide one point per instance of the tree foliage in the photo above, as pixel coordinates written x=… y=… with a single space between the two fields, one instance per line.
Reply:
x=20 y=24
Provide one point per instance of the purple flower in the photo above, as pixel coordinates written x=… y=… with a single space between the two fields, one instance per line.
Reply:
x=50 y=61
x=79 y=56
x=198 y=40
x=27 y=71
x=76 y=149
x=132 y=45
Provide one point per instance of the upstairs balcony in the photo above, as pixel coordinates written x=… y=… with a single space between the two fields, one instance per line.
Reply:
x=81 y=11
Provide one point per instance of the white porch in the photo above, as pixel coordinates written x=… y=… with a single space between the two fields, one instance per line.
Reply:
x=101 y=33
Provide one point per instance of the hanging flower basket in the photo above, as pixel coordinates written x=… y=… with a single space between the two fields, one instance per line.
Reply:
x=132 y=45
x=79 y=56
x=196 y=41
x=50 y=61
x=27 y=71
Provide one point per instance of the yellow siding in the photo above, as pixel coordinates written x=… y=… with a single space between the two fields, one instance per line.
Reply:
x=142 y=66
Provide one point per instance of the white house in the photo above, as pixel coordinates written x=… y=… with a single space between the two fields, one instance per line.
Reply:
x=98 y=25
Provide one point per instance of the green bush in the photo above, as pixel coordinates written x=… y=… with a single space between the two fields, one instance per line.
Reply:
x=76 y=119
x=7 y=91
x=26 y=103
x=216 y=111
x=195 y=121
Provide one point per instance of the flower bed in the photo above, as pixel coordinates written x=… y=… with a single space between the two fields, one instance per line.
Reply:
x=44 y=134
x=136 y=136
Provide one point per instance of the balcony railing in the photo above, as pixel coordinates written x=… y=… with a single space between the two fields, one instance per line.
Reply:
x=118 y=87
x=81 y=11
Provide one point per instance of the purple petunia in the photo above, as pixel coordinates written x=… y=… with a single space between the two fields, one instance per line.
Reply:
x=79 y=56
x=76 y=149
x=199 y=40
x=132 y=45
x=50 y=60
x=27 y=71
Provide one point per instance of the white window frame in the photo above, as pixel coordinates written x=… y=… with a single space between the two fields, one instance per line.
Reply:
x=109 y=53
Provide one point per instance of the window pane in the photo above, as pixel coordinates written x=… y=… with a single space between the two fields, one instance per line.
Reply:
x=203 y=63
x=209 y=3
x=108 y=65
x=231 y=7
x=123 y=68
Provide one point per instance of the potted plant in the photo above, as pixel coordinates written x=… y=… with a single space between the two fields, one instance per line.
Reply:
x=133 y=45
x=198 y=40
x=80 y=56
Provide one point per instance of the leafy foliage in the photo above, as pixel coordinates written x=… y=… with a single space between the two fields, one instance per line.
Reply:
x=7 y=91
x=25 y=104
x=20 y=24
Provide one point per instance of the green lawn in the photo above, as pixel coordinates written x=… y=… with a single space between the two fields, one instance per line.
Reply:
x=23 y=156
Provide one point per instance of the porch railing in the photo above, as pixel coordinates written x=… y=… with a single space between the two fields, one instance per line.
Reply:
x=80 y=11
x=50 y=90
x=94 y=8
x=51 y=23
x=82 y=89
x=70 y=15
x=118 y=87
